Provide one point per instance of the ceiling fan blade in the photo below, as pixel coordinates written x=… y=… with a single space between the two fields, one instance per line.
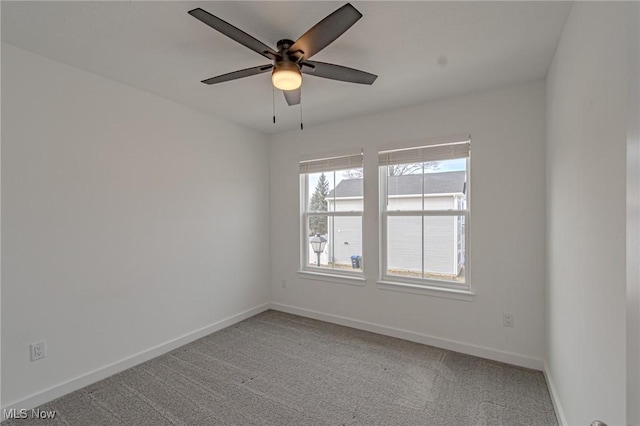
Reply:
x=324 y=32
x=292 y=96
x=337 y=72
x=238 y=74
x=234 y=33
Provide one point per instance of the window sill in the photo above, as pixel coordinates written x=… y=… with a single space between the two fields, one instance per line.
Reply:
x=340 y=279
x=447 y=293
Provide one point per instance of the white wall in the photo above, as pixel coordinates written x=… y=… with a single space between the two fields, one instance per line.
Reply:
x=586 y=214
x=507 y=244
x=633 y=219
x=127 y=222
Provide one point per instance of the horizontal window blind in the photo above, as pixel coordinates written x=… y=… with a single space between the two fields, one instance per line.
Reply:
x=424 y=153
x=342 y=162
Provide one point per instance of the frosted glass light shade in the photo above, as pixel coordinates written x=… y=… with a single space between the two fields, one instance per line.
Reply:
x=286 y=79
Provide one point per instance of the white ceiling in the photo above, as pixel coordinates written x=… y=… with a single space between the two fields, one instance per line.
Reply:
x=421 y=51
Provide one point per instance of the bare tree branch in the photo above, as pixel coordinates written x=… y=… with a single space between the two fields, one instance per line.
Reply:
x=396 y=169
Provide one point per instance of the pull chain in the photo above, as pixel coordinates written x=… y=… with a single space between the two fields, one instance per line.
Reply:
x=273 y=103
x=301 y=125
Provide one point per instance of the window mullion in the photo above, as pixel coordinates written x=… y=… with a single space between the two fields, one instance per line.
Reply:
x=426 y=212
x=422 y=244
x=333 y=213
x=305 y=220
x=422 y=222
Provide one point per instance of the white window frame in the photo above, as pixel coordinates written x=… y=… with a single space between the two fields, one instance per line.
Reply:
x=424 y=285
x=328 y=163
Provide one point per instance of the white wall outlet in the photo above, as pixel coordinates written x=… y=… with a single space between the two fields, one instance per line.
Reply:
x=38 y=351
x=284 y=283
x=507 y=319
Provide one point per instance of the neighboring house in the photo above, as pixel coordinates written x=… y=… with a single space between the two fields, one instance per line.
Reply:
x=444 y=235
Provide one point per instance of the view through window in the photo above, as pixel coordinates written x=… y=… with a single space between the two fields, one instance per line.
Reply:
x=332 y=216
x=425 y=215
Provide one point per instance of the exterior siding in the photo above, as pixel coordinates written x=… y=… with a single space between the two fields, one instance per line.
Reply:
x=404 y=249
x=347 y=239
x=404 y=245
x=404 y=202
x=345 y=232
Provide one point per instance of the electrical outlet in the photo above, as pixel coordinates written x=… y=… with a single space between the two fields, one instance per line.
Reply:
x=507 y=319
x=38 y=351
x=284 y=283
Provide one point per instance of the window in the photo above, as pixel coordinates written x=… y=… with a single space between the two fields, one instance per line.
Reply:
x=424 y=197
x=331 y=204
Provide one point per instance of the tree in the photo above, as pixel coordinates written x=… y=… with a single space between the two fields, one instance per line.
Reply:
x=397 y=169
x=318 y=203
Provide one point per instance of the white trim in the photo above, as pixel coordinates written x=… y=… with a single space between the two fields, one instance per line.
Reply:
x=383 y=202
x=336 y=213
x=433 y=195
x=358 y=280
x=555 y=400
x=427 y=290
x=384 y=213
x=418 y=213
x=333 y=275
x=86 y=379
x=452 y=345
x=94 y=376
x=334 y=199
x=430 y=195
x=468 y=265
x=304 y=198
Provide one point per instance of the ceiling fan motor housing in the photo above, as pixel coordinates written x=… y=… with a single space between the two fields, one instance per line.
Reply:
x=286 y=73
x=284 y=45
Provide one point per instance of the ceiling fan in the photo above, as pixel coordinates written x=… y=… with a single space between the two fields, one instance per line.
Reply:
x=292 y=58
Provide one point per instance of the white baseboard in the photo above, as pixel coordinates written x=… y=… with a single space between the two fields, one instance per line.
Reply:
x=465 y=348
x=79 y=382
x=562 y=420
x=118 y=366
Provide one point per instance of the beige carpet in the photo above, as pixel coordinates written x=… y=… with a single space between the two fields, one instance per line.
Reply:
x=281 y=369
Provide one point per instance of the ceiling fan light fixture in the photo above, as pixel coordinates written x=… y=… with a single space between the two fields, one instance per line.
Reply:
x=286 y=78
x=291 y=56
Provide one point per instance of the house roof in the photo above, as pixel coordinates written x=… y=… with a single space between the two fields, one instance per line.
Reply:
x=434 y=183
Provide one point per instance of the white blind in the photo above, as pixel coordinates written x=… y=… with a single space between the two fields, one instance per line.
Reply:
x=420 y=154
x=331 y=163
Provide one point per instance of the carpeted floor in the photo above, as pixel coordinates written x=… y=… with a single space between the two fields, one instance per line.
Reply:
x=281 y=369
